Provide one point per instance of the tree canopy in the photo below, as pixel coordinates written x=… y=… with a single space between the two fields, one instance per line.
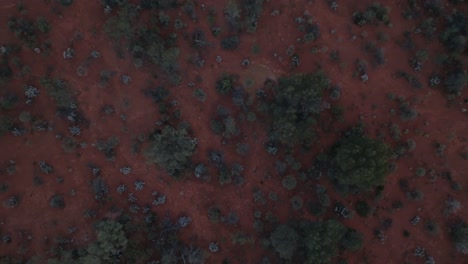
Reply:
x=313 y=242
x=171 y=149
x=111 y=242
x=297 y=100
x=359 y=162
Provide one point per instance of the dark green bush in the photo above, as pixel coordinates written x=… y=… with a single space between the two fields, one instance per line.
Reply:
x=454 y=36
x=289 y=182
x=253 y=10
x=359 y=162
x=459 y=236
x=171 y=149
x=225 y=83
x=6 y=125
x=284 y=241
x=43 y=25
x=296 y=202
x=66 y=2
x=230 y=43
x=363 y=209
x=297 y=101
x=313 y=242
x=24 y=29
x=111 y=242
x=373 y=14
x=352 y=240
x=60 y=91
x=57 y=201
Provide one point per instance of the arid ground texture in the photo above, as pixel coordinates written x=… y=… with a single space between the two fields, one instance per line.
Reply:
x=233 y=131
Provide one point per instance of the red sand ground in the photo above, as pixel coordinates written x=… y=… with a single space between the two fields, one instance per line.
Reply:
x=192 y=197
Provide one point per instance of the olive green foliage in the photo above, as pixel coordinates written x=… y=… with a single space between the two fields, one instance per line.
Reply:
x=60 y=91
x=321 y=240
x=8 y=101
x=243 y=14
x=459 y=236
x=319 y=207
x=454 y=37
x=352 y=240
x=289 y=182
x=171 y=149
x=253 y=9
x=359 y=162
x=225 y=83
x=297 y=102
x=230 y=43
x=158 y=4
x=232 y=13
x=363 y=209
x=128 y=240
x=313 y=242
x=372 y=15
x=5 y=71
x=23 y=29
x=284 y=240
x=42 y=25
x=5 y=125
x=111 y=241
x=66 y=2
x=120 y=25
x=144 y=42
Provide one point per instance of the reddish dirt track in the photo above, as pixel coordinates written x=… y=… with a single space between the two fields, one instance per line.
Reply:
x=362 y=101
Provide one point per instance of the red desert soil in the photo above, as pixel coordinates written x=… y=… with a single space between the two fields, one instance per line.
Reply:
x=361 y=101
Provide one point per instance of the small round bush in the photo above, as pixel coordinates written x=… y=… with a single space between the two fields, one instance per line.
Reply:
x=57 y=201
x=363 y=209
x=420 y=172
x=296 y=202
x=289 y=182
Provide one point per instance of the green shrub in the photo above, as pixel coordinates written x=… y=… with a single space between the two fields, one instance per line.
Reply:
x=6 y=124
x=459 y=236
x=289 y=182
x=454 y=36
x=372 y=15
x=5 y=71
x=240 y=238
x=297 y=101
x=296 y=202
x=66 y=2
x=225 y=84
x=43 y=25
x=420 y=172
x=200 y=95
x=111 y=241
x=253 y=10
x=352 y=240
x=171 y=149
x=284 y=240
x=230 y=43
x=60 y=91
x=363 y=209
x=24 y=29
x=214 y=214
x=57 y=201
x=359 y=162
x=432 y=227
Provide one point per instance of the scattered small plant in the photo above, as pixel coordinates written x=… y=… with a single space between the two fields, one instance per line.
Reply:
x=139 y=184
x=46 y=167
x=57 y=201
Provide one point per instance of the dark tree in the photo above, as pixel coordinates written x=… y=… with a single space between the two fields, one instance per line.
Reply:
x=359 y=162
x=171 y=149
x=297 y=101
